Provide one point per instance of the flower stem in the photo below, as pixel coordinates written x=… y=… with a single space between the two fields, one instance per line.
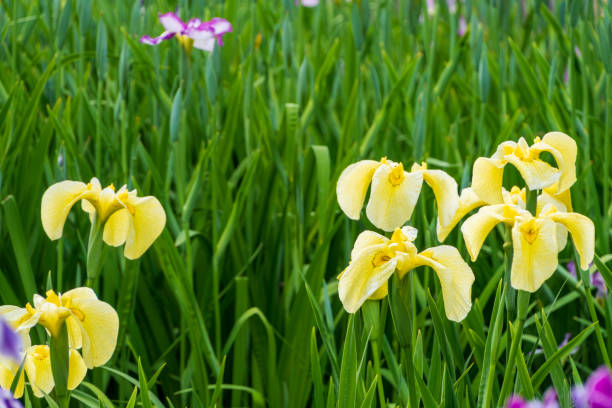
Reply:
x=95 y=249
x=59 y=354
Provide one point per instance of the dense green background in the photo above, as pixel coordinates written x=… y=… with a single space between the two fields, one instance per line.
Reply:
x=236 y=303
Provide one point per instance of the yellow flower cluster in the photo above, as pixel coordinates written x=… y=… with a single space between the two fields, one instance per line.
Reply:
x=92 y=327
x=537 y=238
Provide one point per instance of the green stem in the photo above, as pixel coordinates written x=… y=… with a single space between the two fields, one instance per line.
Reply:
x=59 y=354
x=95 y=249
x=381 y=391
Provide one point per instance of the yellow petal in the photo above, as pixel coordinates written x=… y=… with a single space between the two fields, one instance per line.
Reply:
x=565 y=152
x=365 y=275
x=487 y=179
x=392 y=201
x=148 y=222
x=476 y=228
x=353 y=185
x=116 y=228
x=456 y=279
x=468 y=201
x=367 y=239
x=534 y=258
x=76 y=369
x=445 y=191
x=38 y=368
x=562 y=201
x=56 y=204
x=583 y=234
x=558 y=201
x=381 y=292
x=7 y=375
x=99 y=325
x=536 y=173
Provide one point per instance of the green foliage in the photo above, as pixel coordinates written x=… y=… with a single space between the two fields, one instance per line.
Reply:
x=236 y=303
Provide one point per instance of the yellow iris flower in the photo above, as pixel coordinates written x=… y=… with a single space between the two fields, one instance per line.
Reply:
x=374 y=258
x=92 y=325
x=394 y=192
x=128 y=219
x=488 y=172
x=536 y=240
x=37 y=366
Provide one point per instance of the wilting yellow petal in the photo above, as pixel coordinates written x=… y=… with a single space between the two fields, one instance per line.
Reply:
x=392 y=199
x=564 y=150
x=365 y=275
x=456 y=279
x=99 y=325
x=536 y=173
x=8 y=370
x=367 y=239
x=76 y=369
x=476 y=228
x=535 y=253
x=445 y=191
x=148 y=222
x=468 y=201
x=583 y=234
x=487 y=179
x=116 y=228
x=353 y=185
x=56 y=204
x=38 y=368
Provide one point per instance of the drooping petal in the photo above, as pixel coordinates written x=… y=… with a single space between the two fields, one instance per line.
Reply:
x=534 y=260
x=76 y=369
x=56 y=204
x=99 y=325
x=148 y=222
x=367 y=239
x=583 y=234
x=476 y=228
x=564 y=150
x=117 y=227
x=38 y=368
x=172 y=22
x=536 y=173
x=220 y=27
x=445 y=191
x=545 y=200
x=205 y=44
x=487 y=179
x=456 y=279
x=365 y=275
x=391 y=205
x=468 y=201
x=166 y=35
x=353 y=185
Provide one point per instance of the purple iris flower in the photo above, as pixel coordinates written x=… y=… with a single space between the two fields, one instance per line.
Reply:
x=597 y=393
x=596 y=279
x=549 y=401
x=10 y=342
x=7 y=400
x=462 y=29
x=203 y=33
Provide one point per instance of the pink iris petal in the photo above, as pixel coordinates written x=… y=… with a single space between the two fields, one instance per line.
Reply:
x=172 y=23
x=599 y=388
x=461 y=30
x=204 y=34
x=598 y=281
x=145 y=39
x=516 y=401
x=309 y=3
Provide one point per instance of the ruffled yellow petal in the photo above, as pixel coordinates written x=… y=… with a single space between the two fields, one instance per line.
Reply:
x=393 y=197
x=353 y=185
x=99 y=325
x=38 y=368
x=367 y=239
x=116 y=228
x=536 y=173
x=564 y=150
x=534 y=242
x=468 y=201
x=476 y=228
x=445 y=191
x=365 y=275
x=487 y=179
x=76 y=369
x=583 y=234
x=56 y=204
x=456 y=279
x=148 y=222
